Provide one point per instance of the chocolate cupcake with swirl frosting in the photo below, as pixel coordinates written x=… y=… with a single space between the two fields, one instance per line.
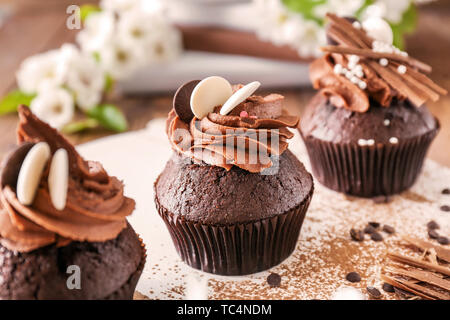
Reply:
x=63 y=227
x=233 y=196
x=367 y=130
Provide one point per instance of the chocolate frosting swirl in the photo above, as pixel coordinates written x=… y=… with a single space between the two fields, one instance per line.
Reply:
x=96 y=208
x=247 y=142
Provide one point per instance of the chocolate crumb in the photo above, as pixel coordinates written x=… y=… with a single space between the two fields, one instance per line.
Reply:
x=388 y=287
x=446 y=191
x=381 y=199
x=432 y=225
x=388 y=229
x=274 y=280
x=369 y=229
x=353 y=277
x=376 y=225
x=357 y=235
x=442 y=240
x=376 y=236
x=433 y=234
x=445 y=208
x=374 y=292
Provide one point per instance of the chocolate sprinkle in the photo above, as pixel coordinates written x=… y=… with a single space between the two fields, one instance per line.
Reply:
x=445 y=208
x=446 y=191
x=432 y=225
x=376 y=236
x=357 y=235
x=433 y=234
x=274 y=280
x=388 y=287
x=182 y=101
x=369 y=229
x=353 y=277
x=442 y=240
x=388 y=229
x=376 y=225
x=374 y=292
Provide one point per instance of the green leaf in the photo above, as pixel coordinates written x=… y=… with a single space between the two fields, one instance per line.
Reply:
x=109 y=83
x=305 y=7
x=87 y=9
x=407 y=25
x=12 y=100
x=79 y=126
x=109 y=116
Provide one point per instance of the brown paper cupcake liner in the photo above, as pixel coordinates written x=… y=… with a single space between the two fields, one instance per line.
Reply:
x=236 y=249
x=368 y=171
x=126 y=291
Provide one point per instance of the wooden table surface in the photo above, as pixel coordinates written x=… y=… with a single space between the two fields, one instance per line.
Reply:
x=37 y=26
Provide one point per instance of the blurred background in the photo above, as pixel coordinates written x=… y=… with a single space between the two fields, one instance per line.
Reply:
x=127 y=63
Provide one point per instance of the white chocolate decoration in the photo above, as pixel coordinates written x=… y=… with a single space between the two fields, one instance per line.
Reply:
x=378 y=29
x=239 y=96
x=58 y=179
x=209 y=93
x=31 y=172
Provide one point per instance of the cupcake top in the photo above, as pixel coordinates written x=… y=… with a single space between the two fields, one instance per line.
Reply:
x=362 y=66
x=50 y=195
x=218 y=124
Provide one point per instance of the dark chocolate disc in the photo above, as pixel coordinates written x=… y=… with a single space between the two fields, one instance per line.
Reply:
x=182 y=101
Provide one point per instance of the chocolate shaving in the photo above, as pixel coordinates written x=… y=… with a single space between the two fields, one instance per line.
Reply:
x=414 y=288
x=442 y=253
x=418 y=263
x=424 y=276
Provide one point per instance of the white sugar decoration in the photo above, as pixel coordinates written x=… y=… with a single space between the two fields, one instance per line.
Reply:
x=348 y=293
x=384 y=62
x=356 y=24
x=370 y=142
x=353 y=61
x=401 y=69
x=387 y=122
x=338 y=68
x=354 y=79
x=348 y=74
x=393 y=140
x=362 y=85
x=362 y=142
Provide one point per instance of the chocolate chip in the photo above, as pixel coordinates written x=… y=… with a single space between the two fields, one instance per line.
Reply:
x=353 y=277
x=388 y=229
x=433 y=234
x=357 y=235
x=376 y=225
x=442 y=240
x=388 y=287
x=369 y=229
x=445 y=208
x=274 y=280
x=182 y=101
x=376 y=236
x=374 y=292
x=446 y=191
x=432 y=225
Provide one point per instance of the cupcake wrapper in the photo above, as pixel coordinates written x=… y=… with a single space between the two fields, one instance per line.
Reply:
x=368 y=171
x=126 y=292
x=236 y=249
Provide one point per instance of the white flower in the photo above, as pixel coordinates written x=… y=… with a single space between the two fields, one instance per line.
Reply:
x=53 y=105
x=121 y=6
x=83 y=76
x=306 y=36
x=342 y=8
x=98 y=31
x=395 y=9
x=272 y=15
x=150 y=32
x=120 y=60
x=39 y=70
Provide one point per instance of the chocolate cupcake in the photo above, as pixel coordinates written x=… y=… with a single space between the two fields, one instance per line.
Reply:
x=63 y=227
x=232 y=196
x=367 y=130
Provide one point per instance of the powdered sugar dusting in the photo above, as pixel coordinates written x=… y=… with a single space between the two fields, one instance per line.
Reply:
x=325 y=252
